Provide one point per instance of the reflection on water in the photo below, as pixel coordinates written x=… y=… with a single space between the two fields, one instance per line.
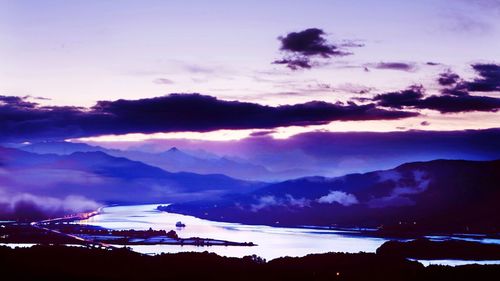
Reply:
x=272 y=242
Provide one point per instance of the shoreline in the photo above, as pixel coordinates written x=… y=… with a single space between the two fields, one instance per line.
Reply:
x=63 y=231
x=67 y=233
x=357 y=231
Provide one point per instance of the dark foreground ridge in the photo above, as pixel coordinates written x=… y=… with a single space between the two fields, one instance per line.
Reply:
x=451 y=249
x=76 y=263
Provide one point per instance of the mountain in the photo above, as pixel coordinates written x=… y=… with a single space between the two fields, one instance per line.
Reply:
x=176 y=160
x=103 y=177
x=440 y=195
x=173 y=160
x=61 y=147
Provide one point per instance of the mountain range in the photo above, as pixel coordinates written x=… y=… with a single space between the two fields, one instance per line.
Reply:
x=107 y=178
x=446 y=195
x=173 y=160
x=441 y=195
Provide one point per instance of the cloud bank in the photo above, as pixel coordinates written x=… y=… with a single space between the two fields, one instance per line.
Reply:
x=21 y=120
x=26 y=206
x=414 y=98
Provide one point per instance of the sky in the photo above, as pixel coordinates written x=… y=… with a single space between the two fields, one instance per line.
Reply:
x=257 y=65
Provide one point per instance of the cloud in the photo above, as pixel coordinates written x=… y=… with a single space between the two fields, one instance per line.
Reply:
x=455 y=91
x=309 y=42
x=407 y=97
x=399 y=195
x=492 y=6
x=300 y=47
x=26 y=206
x=389 y=175
x=414 y=98
x=269 y=201
x=17 y=101
x=448 y=78
x=21 y=120
x=163 y=81
x=488 y=80
x=340 y=197
x=455 y=96
x=353 y=88
x=262 y=133
x=401 y=66
x=296 y=63
x=450 y=104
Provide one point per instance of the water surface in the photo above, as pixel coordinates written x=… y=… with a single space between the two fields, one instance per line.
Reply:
x=272 y=242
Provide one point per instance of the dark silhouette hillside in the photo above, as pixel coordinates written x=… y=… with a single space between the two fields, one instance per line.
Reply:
x=70 y=263
x=440 y=195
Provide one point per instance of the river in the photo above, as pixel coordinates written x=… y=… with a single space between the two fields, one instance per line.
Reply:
x=272 y=242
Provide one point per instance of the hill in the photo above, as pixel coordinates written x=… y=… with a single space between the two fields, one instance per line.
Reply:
x=440 y=195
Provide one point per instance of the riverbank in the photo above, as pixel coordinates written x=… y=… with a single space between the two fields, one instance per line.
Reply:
x=397 y=231
x=425 y=249
x=148 y=230
x=61 y=231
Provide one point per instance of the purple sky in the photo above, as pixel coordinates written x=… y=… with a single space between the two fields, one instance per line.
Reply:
x=80 y=52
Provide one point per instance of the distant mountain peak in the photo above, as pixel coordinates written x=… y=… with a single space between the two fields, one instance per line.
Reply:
x=173 y=149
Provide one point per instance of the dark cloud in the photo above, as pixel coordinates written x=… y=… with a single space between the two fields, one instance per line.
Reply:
x=300 y=47
x=455 y=96
x=309 y=42
x=488 y=80
x=448 y=104
x=448 y=78
x=400 y=99
x=21 y=120
x=262 y=133
x=414 y=98
x=18 y=101
x=295 y=63
x=457 y=90
x=402 y=66
x=453 y=84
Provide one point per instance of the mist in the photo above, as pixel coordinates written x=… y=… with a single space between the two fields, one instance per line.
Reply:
x=27 y=206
